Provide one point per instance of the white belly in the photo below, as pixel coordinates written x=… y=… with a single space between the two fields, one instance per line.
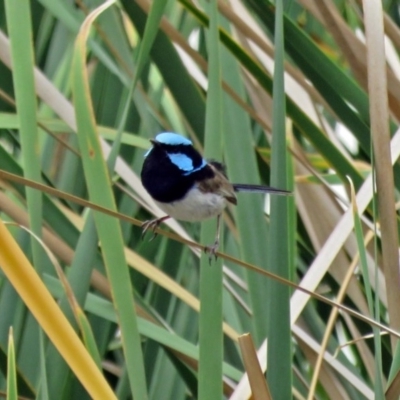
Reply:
x=195 y=206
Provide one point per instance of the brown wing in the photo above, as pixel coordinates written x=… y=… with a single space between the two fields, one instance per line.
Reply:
x=218 y=184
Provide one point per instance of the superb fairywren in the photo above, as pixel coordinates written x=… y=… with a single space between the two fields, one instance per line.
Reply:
x=187 y=187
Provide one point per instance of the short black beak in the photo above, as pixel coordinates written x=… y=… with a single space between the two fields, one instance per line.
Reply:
x=154 y=142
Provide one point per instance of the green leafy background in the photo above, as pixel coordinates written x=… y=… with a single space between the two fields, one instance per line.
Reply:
x=285 y=93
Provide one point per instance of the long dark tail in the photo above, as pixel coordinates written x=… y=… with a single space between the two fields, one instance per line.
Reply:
x=243 y=187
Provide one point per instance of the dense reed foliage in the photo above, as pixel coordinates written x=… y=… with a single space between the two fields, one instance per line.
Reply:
x=303 y=95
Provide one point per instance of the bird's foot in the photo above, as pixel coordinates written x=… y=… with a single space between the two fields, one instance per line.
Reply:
x=212 y=250
x=152 y=224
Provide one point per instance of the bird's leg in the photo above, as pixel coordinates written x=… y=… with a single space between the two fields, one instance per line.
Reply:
x=152 y=224
x=214 y=247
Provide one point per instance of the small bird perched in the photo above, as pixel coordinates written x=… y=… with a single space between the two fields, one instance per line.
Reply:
x=187 y=187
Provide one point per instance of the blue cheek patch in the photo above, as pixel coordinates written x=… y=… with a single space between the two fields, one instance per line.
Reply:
x=203 y=164
x=184 y=163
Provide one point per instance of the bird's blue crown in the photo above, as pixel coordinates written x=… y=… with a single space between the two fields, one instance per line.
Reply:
x=172 y=139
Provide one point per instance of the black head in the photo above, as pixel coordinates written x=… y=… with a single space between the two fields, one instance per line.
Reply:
x=172 y=166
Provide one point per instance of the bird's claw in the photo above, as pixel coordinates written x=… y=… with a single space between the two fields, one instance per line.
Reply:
x=152 y=224
x=212 y=250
